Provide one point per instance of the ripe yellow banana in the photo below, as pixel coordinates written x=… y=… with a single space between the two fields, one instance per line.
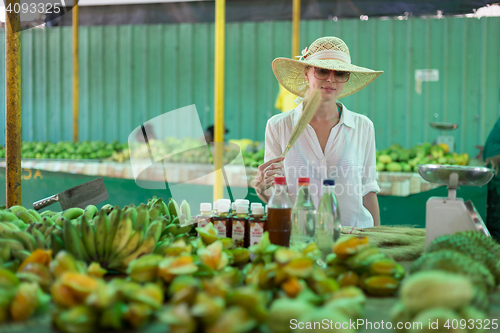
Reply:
x=142 y=219
x=122 y=236
x=131 y=246
x=114 y=221
x=146 y=247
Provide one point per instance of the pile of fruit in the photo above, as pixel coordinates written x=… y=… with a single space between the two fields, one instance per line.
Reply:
x=448 y=287
x=397 y=159
x=69 y=150
x=186 y=278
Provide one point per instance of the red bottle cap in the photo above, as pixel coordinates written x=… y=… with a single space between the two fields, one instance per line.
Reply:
x=303 y=181
x=279 y=180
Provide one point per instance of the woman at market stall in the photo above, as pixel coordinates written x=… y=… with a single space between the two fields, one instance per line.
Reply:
x=337 y=143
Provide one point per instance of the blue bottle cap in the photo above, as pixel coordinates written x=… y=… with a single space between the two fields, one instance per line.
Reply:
x=328 y=182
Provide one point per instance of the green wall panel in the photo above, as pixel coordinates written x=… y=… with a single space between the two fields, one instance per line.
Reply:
x=129 y=74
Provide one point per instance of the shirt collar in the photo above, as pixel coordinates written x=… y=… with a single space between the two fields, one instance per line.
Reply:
x=346 y=118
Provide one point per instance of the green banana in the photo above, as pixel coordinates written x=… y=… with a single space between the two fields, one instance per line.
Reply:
x=47 y=213
x=88 y=236
x=90 y=212
x=35 y=214
x=185 y=210
x=5 y=226
x=146 y=247
x=142 y=219
x=107 y=208
x=59 y=220
x=114 y=221
x=12 y=244
x=41 y=227
x=20 y=255
x=25 y=217
x=154 y=230
x=101 y=229
x=132 y=213
x=6 y=216
x=5 y=253
x=48 y=221
x=73 y=242
x=122 y=236
x=72 y=213
x=15 y=209
x=154 y=212
x=49 y=231
x=173 y=208
x=39 y=239
x=131 y=246
x=27 y=239
x=18 y=225
x=56 y=215
x=56 y=244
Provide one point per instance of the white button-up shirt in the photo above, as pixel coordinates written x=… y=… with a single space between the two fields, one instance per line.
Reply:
x=349 y=159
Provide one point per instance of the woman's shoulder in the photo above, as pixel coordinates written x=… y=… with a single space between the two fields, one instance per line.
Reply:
x=360 y=120
x=282 y=118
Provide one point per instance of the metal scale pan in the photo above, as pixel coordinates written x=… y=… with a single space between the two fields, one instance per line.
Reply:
x=445 y=216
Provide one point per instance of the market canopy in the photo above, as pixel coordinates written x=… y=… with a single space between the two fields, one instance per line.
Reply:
x=116 y=12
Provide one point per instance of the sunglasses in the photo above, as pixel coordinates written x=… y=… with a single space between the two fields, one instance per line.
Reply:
x=323 y=74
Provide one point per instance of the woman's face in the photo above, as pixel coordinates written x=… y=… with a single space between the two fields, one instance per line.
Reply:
x=330 y=87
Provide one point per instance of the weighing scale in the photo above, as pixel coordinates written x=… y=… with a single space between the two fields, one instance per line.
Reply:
x=445 y=216
x=443 y=138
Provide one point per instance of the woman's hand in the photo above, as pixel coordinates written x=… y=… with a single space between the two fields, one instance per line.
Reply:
x=265 y=176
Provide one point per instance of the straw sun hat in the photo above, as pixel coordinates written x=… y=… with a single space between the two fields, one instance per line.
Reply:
x=326 y=52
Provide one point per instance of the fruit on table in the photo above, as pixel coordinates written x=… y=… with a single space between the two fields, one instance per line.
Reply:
x=71 y=150
x=398 y=159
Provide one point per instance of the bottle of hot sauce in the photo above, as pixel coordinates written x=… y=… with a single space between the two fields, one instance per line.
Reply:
x=255 y=226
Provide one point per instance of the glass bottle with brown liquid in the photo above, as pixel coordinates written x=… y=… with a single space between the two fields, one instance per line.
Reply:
x=255 y=226
x=279 y=214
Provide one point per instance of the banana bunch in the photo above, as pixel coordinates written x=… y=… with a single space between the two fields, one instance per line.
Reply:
x=114 y=236
x=22 y=231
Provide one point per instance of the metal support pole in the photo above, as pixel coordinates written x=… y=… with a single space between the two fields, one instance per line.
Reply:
x=220 y=26
x=296 y=28
x=76 y=75
x=13 y=103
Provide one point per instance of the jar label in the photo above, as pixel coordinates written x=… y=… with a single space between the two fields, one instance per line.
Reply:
x=256 y=232
x=238 y=233
x=221 y=228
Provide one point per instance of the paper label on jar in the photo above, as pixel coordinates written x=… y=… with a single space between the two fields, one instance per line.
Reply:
x=256 y=232
x=221 y=228
x=202 y=222
x=238 y=233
